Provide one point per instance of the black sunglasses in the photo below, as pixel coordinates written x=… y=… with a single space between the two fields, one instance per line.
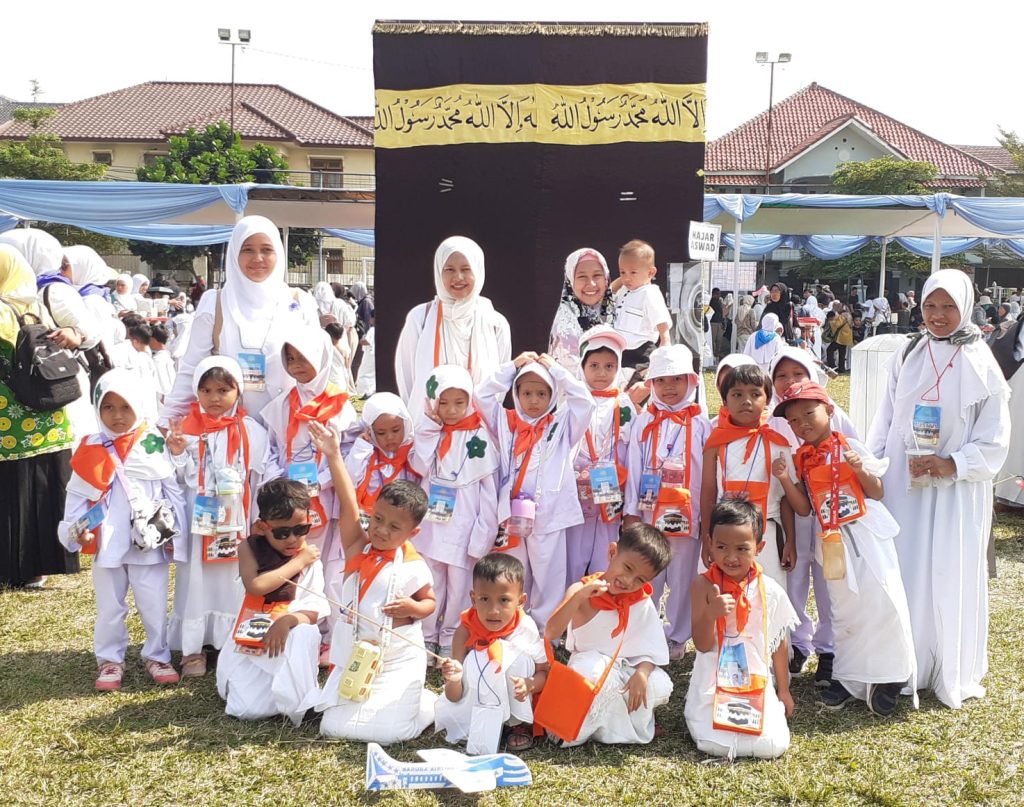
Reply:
x=283 y=533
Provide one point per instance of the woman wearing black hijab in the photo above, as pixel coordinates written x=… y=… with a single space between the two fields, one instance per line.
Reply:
x=779 y=304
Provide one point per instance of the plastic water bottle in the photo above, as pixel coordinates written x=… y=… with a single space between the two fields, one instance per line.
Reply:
x=833 y=555
x=230 y=489
x=673 y=472
x=523 y=512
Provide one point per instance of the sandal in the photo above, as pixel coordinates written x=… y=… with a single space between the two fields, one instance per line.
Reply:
x=519 y=738
x=193 y=665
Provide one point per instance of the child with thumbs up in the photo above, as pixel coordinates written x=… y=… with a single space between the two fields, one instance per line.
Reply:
x=739 y=698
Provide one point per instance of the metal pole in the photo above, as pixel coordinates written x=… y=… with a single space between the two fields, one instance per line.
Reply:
x=937 y=246
x=881 y=279
x=738 y=232
x=768 y=147
x=232 y=92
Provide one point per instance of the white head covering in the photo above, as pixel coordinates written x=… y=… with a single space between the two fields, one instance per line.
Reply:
x=127 y=280
x=87 y=267
x=459 y=313
x=137 y=282
x=244 y=300
x=324 y=296
x=733 y=360
x=450 y=376
x=541 y=371
x=602 y=336
x=126 y=384
x=771 y=323
x=315 y=345
x=586 y=253
x=43 y=252
x=670 y=360
x=801 y=357
x=958 y=286
x=387 y=403
x=228 y=364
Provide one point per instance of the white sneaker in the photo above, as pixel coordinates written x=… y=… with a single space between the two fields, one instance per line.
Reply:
x=676 y=650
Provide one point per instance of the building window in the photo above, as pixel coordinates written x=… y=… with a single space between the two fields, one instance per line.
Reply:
x=149 y=159
x=325 y=173
x=103 y=157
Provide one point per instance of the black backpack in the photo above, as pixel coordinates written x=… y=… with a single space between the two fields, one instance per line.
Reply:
x=93 y=360
x=41 y=375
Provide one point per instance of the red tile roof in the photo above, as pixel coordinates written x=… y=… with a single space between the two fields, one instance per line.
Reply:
x=996 y=156
x=811 y=114
x=151 y=111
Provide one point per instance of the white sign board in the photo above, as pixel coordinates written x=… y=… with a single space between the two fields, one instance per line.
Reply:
x=704 y=241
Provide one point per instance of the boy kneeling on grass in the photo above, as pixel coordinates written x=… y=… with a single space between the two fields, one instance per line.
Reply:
x=611 y=619
x=498 y=663
x=739 y=699
x=276 y=674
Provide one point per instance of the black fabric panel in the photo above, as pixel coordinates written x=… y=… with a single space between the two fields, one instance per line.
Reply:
x=527 y=205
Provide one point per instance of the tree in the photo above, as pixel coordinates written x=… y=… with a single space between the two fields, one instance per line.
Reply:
x=214 y=156
x=886 y=175
x=1008 y=184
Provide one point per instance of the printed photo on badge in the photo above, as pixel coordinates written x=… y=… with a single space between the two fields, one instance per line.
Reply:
x=206 y=515
x=926 y=425
x=650 y=487
x=440 y=504
x=604 y=483
x=307 y=473
x=91 y=520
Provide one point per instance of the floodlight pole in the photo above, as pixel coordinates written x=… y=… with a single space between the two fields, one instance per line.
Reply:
x=225 y=36
x=761 y=57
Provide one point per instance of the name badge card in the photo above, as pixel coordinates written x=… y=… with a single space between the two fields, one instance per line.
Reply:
x=307 y=473
x=206 y=515
x=254 y=370
x=440 y=504
x=650 y=487
x=92 y=519
x=926 y=425
x=604 y=483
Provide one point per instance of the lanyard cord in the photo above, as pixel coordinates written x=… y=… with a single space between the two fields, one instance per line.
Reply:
x=938 y=376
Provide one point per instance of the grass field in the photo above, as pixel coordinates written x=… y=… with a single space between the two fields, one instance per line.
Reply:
x=62 y=744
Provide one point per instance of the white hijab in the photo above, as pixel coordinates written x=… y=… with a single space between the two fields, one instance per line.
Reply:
x=671 y=360
x=387 y=403
x=125 y=299
x=459 y=315
x=225 y=362
x=137 y=282
x=541 y=371
x=87 y=267
x=315 y=345
x=458 y=466
x=43 y=252
x=244 y=300
x=324 y=296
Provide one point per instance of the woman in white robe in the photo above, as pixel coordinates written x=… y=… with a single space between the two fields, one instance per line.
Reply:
x=257 y=312
x=960 y=412
x=471 y=334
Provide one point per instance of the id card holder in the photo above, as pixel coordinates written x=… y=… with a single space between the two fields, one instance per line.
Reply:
x=206 y=515
x=926 y=423
x=733 y=670
x=650 y=487
x=604 y=484
x=308 y=474
x=485 y=729
x=92 y=519
x=364 y=520
x=440 y=504
x=254 y=370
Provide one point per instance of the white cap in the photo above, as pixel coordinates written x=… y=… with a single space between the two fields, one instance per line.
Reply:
x=671 y=360
x=602 y=336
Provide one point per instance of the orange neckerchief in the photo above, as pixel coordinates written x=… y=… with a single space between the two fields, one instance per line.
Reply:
x=93 y=463
x=618 y=602
x=197 y=423
x=808 y=457
x=480 y=637
x=378 y=460
x=467 y=424
x=525 y=436
x=369 y=564
x=611 y=392
x=739 y=593
x=659 y=416
x=321 y=409
x=725 y=433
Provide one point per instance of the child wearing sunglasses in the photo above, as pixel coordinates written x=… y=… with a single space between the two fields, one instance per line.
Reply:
x=277 y=675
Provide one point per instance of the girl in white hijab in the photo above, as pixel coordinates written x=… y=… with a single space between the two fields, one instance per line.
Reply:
x=247 y=319
x=90 y=275
x=457 y=327
x=123 y=298
x=43 y=252
x=944 y=425
x=140 y=285
x=763 y=345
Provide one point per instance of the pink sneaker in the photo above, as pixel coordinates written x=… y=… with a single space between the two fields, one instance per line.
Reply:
x=109 y=679
x=161 y=672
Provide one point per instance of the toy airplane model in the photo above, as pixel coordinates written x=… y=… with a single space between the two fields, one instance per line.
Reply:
x=441 y=768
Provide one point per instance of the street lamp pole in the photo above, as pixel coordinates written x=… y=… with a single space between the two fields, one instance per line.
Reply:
x=762 y=57
x=244 y=36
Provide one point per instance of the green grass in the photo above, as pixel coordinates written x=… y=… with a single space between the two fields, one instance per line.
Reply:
x=63 y=744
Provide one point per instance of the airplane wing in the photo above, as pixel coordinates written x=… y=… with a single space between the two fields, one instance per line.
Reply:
x=452 y=766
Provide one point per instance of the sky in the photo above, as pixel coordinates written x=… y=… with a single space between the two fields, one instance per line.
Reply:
x=947 y=69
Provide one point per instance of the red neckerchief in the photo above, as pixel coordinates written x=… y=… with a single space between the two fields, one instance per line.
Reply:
x=481 y=638
x=739 y=593
x=369 y=564
x=618 y=602
x=321 y=409
x=378 y=460
x=468 y=424
x=725 y=433
x=93 y=463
